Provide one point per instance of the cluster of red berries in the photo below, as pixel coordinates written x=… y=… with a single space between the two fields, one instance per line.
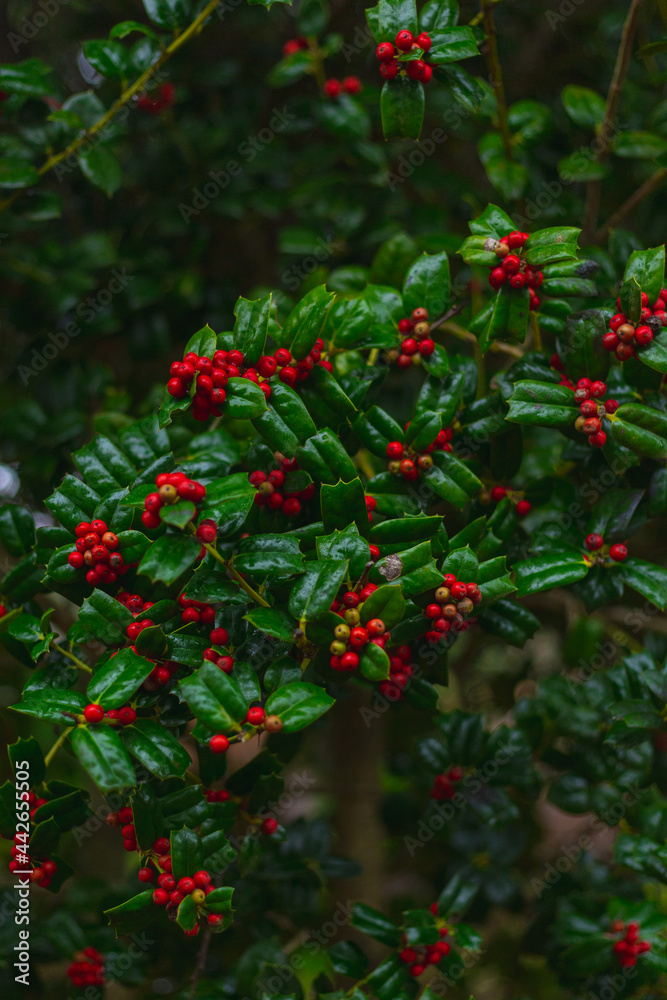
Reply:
x=514 y=267
x=629 y=947
x=443 y=785
x=124 y=819
x=407 y=463
x=34 y=803
x=624 y=337
x=452 y=605
x=350 y=85
x=592 y=410
x=400 y=673
x=221 y=795
x=594 y=543
x=41 y=872
x=96 y=548
x=293 y=45
x=155 y=104
x=350 y=637
x=418 y=343
x=161 y=674
x=196 y=612
x=93 y=714
x=499 y=493
x=405 y=41
x=270 y=491
x=418 y=958
x=255 y=717
x=171 y=487
x=224 y=662
x=87 y=969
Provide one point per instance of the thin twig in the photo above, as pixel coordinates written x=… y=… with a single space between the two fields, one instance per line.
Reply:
x=647 y=188
x=496 y=73
x=200 y=963
x=57 y=745
x=127 y=95
x=594 y=189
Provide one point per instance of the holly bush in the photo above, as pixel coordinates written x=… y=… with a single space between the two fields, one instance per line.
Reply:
x=332 y=632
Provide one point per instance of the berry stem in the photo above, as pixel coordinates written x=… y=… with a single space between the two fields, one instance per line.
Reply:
x=237 y=576
x=594 y=189
x=200 y=963
x=496 y=73
x=126 y=96
x=537 y=333
x=57 y=745
x=318 y=66
x=75 y=659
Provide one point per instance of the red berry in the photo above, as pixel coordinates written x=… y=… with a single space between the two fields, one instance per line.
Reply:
x=385 y=52
x=405 y=325
x=416 y=970
x=427 y=73
x=610 y=405
x=161 y=897
x=424 y=41
x=349 y=661
x=176 y=388
x=516 y=239
x=225 y=663
x=389 y=70
x=255 y=716
x=610 y=341
x=523 y=508
x=75 y=559
x=93 y=713
x=150 y=520
x=517 y=280
x=498 y=493
x=332 y=88
x=409 y=346
x=426 y=347
x=643 y=335
x=598 y=389
x=618 y=553
x=99 y=527
x=287 y=375
x=201 y=879
x=269 y=826
x=352 y=85
x=218 y=744
x=186 y=885
x=415 y=69
x=127 y=716
x=598 y=440
x=219 y=637
x=82 y=528
x=593 y=542
x=291 y=507
x=511 y=263
x=408 y=955
x=404 y=40
x=497 y=277
x=376 y=627
x=145 y=874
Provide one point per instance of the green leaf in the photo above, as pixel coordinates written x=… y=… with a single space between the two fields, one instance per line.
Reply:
x=146 y=815
x=386 y=603
x=346 y=544
x=376 y=925
x=391 y=16
x=544 y=404
x=548 y=245
x=168 y=13
x=305 y=323
x=187 y=856
x=203 y=343
x=169 y=557
x=118 y=678
x=215 y=698
x=16 y=174
x=298 y=705
x=312 y=594
x=637 y=145
x=648 y=268
x=583 y=106
x=451 y=479
x=109 y=58
x=260 y=555
x=402 y=108
x=178 y=514
x=544 y=572
x=642 y=429
x=105 y=618
x=133 y=914
x=245 y=400
x=155 y=748
x=99 y=165
x=17 y=529
x=52 y=705
x=286 y=424
x=647 y=579
x=374 y=662
x=228 y=502
x=344 y=504
x=580 y=345
x=428 y=284
x=325 y=458
x=252 y=326
x=73 y=502
x=272 y=622
x=102 y=754
x=452 y=45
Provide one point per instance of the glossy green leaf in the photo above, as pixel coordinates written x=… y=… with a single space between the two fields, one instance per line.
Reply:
x=118 y=678
x=402 y=107
x=313 y=592
x=298 y=705
x=102 y=754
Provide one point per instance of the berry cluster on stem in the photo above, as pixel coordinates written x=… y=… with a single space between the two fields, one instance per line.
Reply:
x=256 y=718
x=595 y=543
x=451 y=608
x=154 y=104
x=522 y=507
x=629 y=947
x=351 y=637
x=418 y=343
x=96 y=547
x=87 y=968
x=271 y=492
x=350 y=85
x=443 y=784
x=408 y=463
x=401 y=671
x=593 y=409
x=624 y=337
x=171 y=487
x=389 y=56
x=513 y=268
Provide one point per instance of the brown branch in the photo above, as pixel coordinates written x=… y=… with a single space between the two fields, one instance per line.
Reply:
x=594 y=189
x=200 y=963
x=496 y=73
x=648 y=187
